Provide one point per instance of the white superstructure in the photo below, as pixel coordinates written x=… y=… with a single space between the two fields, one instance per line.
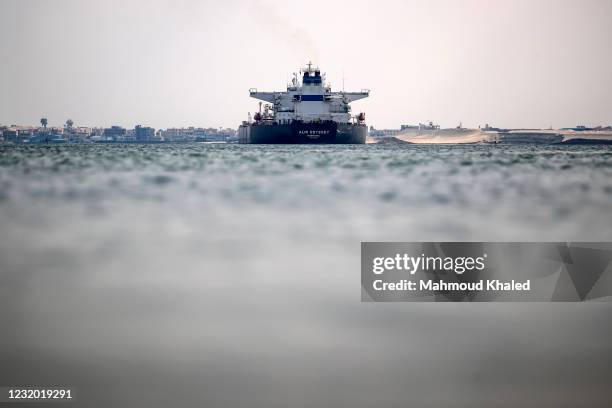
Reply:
x=310 y=100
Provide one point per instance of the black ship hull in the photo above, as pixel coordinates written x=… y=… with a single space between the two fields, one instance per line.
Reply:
x=303 y=133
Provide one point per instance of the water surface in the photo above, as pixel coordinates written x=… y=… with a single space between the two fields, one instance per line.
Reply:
x=228 y=275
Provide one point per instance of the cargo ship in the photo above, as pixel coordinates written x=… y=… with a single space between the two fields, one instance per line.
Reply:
x=308 y=112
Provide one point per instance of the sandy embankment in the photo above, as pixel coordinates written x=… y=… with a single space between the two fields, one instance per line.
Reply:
x=603 y=135
x=471 y=136
x=460 y=136
x=453 y=136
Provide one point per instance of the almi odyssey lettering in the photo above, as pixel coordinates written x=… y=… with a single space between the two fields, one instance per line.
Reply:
x=314 y=132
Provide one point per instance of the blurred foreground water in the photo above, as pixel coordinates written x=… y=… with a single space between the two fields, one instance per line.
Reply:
x=228 y=275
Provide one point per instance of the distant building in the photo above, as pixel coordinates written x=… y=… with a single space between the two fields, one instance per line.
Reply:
x=82 y=132
x=114 y=133
x=25 y=133
x=488 y=128
x=383 y=132
x=428 y=126
x=192 y=134
x=216 y=135
x=144 y=134
x=10 y=135
x=79 y=134
x=178 y=134
x=95 y=131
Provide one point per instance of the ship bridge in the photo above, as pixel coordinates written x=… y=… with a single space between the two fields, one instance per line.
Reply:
x=312 y=76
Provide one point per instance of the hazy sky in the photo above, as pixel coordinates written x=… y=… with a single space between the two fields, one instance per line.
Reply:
x=191 y=63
